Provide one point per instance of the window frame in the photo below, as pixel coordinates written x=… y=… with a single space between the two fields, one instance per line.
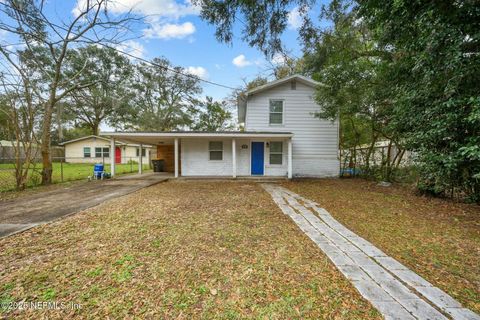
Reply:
x=98 y=152
x=210 y=150
x=276 y=112
x=89 y=152
x=275 y=153
x=104 y=152
x=144 y=152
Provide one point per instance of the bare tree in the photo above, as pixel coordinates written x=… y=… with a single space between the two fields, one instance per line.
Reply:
x=18 y=105
x=27 y=22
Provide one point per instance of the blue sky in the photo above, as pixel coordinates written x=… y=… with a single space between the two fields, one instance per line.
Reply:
x=173 y=29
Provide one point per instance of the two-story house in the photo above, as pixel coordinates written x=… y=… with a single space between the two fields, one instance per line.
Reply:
x=282 y=138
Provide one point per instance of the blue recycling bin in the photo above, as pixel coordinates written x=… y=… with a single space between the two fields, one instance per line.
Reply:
x=98 y=170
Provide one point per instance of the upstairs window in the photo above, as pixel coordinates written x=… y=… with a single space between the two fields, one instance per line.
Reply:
x=276 y=152
x=102 y=152
x=276 y=111
x=215 y=149
x=86 y=152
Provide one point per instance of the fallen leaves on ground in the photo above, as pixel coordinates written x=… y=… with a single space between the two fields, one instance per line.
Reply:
x=438 y=239
x=178 y=250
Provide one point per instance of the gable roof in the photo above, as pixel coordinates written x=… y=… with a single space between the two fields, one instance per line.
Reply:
x=82 y=138
x=243 y=97
x=100 y=138
x=297 y=77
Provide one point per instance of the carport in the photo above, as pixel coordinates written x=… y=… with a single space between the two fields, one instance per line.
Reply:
x=220 y=154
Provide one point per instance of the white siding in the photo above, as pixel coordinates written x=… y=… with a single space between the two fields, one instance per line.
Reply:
x=243 y=157
x=315 y=141
x=195 y=161
x=74 y=152
x=195 y=158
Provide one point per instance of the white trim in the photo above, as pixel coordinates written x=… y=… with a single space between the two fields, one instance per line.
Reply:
x=234 y=158
x=300 y=78
x=283 y=113
x=89 y=152
x=102 y=138
x=176 y=157
x=112 y=156
x=251 y=149
x=289 y=160
x=82 y=138
x=223 y=151
x=140 y=160
x=269 y=153
x=199 y=134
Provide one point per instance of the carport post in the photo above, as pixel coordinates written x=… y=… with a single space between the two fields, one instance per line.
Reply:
x=140 y=162
x=234 y=158
x=176 y=158
x=289 y=173
x=112 y=156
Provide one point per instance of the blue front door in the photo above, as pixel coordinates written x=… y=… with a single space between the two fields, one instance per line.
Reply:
x=257 y=158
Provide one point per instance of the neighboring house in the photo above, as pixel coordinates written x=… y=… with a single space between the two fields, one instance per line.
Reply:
x=380 y=153
x=282 y=138
x=93 y=149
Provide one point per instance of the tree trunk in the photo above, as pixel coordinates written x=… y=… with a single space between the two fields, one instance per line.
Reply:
x=45 y=147
x=95 y=129
x=59 y=121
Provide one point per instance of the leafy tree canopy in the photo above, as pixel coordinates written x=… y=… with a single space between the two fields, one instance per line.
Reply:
x=410 y=69
x=214 y=116
x=165 y=99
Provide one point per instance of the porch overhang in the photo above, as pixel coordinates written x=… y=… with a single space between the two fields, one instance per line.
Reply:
x=174 y=138
x=162 y=137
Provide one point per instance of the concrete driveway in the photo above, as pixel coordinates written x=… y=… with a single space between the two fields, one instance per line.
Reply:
x=26 y=212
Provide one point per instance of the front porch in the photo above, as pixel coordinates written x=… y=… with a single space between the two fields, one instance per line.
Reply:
x=217 y=154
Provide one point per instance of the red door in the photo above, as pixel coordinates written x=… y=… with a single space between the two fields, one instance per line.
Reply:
x=118 y=155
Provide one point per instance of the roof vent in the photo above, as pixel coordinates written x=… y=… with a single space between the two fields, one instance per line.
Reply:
x=293 y=85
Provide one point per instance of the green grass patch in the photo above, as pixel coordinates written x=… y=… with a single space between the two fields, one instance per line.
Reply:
x=62 y=172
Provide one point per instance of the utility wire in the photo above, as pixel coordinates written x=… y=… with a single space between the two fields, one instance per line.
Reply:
x=142 y=59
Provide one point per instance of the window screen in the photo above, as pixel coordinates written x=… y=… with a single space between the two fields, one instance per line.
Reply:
x=276 y=152
x=276 y=111
x=215 y=149
x=143 y=152
x=86 y=152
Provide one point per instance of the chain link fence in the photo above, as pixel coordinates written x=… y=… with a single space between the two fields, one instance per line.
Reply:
x=74 y=169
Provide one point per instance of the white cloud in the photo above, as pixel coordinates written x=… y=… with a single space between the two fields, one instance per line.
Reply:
x=169 y=30
x=133 y=47
x=159 y=8
x=278 y=58
x=161 y=15
x=200 y=72
x=241 y=61
x=294 y=19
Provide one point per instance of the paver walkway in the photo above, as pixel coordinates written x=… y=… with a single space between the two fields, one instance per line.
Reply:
x=25 y=212
x=396 y=291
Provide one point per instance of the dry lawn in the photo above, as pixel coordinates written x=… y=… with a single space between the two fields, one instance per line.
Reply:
x=178 y=250
x=436 y=238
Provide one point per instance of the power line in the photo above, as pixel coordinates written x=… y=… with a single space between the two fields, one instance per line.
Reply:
x=142 y=59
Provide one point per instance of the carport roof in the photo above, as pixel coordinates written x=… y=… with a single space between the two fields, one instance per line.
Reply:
x=151 y=137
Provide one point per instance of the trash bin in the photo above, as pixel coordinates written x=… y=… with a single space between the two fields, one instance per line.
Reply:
x=158 y=165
